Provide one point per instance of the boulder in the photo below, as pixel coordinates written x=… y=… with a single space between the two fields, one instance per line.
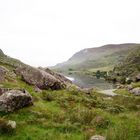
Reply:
x=86 y=90
x=137 y=78
x=39 y=78
x=12 y=124
x=3 y=90
x=97 y=137
x=120 y=86
x=135 y=91
x=59 y=76
x=15 y=99
x=129 y=87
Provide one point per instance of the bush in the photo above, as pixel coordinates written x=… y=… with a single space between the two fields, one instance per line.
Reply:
x=48 y=96
x=101 y=122
x=115 y=109
x=83 y=116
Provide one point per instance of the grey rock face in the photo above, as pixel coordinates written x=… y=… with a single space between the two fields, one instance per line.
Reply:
x=14 y=99
x=62 y=78
x=39 y=78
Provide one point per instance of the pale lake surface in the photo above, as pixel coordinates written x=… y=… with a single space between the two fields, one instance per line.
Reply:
x=86 y=81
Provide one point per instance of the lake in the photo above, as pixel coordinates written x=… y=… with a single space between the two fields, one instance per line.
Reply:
x=87 y=81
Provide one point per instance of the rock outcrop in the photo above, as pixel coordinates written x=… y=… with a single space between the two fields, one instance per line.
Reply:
x=62 y=78
x=2 y=74
x=39 y=78
x=6 y=74
x=14 y=99
x=135 y=91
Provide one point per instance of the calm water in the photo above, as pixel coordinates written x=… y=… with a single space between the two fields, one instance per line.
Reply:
x=86 y=81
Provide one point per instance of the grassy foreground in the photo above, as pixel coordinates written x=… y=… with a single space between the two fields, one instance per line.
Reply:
x=73 y=115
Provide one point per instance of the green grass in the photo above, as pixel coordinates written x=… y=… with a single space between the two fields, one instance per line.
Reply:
x=135 y=85
x=122 y=92
x=107 y=68
x=73 y=115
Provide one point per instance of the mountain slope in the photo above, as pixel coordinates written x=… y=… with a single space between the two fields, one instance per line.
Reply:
x=66 y=114
x=13 y=70
x=130 y=66
x=108 y=55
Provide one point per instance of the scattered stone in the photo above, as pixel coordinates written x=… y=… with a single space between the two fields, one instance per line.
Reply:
x=12 y=124
x=135 y=91
x=37 y=89
x=86 y=90
x=129 y=87
x=14 y=99
x=119 y=86
x=97 y=137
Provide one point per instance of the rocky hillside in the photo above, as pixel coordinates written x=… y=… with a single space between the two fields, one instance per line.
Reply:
x=14 y=70
x=104 y=56
x=129 y=67
x=32 y=107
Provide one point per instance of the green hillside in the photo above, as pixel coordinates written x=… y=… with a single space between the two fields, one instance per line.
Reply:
x=100 y=57
x=67 y=113
x=129 y=67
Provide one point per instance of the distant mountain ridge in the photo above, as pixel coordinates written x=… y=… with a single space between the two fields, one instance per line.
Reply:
x=107 y=55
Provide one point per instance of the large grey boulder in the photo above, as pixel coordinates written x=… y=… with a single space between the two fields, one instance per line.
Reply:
x=14 y=99
x=40 y=78
x=59 y=76
x=135 y=91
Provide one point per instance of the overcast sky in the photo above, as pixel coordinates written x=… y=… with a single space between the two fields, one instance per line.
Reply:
x=46 y=32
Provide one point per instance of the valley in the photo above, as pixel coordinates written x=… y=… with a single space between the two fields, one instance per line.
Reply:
x=41 y=104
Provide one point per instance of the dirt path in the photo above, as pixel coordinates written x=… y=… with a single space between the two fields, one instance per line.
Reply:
x=109 y=92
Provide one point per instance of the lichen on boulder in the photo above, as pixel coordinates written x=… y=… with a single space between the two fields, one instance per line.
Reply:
x=14 y=99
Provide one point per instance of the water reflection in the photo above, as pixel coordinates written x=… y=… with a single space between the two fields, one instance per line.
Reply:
x=86 y=81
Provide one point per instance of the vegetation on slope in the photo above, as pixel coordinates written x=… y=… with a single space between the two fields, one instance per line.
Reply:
x=73 y=115
x=93 y=58
x=130 y=66
x=70 y=114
